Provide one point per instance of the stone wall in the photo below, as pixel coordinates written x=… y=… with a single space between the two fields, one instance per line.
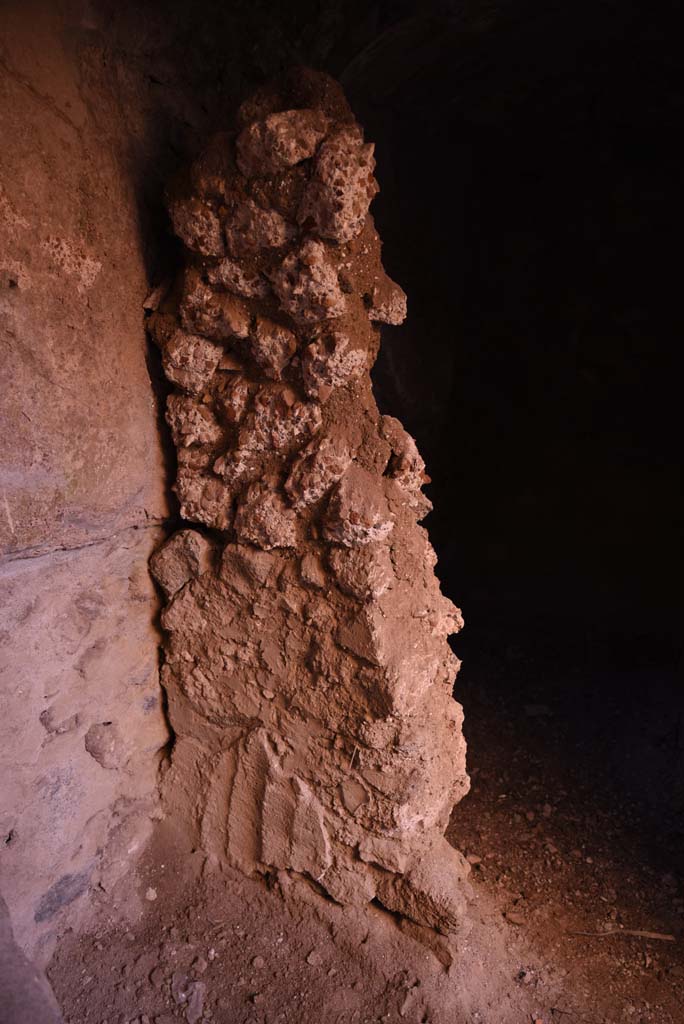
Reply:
x=81 y=487
x=99 y=106
x=306 y=664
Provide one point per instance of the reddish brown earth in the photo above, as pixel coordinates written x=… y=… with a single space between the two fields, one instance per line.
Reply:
x=581 y=867
x=586 y=864
x=306 y=667
x=559 y=843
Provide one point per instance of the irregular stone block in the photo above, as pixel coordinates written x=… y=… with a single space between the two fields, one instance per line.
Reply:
x=204 y=499
x=386 y=302
x=364 y=572
x=278 y=421
x=320 y=465
x=329 y=362
x=336 y=201
x=191 y=422
x=263 y=519
x=196 y=223
x=358 y=512
x=211 y=313
x=280 y=141
x=272 y=346
x=240 y=280
x=232 y=398
x=307 y=285
x=190 y=361
x=432 y=890
x=185 y=556
x=386 y=853
x=249 y=229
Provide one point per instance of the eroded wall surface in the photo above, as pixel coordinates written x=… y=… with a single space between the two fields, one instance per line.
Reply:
x=306 y=662
x=81 y=487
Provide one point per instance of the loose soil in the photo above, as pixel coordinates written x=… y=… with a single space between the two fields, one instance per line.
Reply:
x=564 y=833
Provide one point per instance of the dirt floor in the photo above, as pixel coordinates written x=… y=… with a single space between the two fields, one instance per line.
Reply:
x=574 y=821
x=566 y=835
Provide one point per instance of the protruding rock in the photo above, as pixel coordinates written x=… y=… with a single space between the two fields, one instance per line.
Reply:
x=320 y=465
x=306 y=284
x=204 y=499
x=280 y=141
x=386 y=853
x=364 y=572
x=264 y=519
x=358 y=512
x=406 y=466
x=238 y=279
x=335 y=203
x=386 y=302
x=272 y=346
x=214 y=314
x=278 y=421
x=190 y=361
x=249 y=229
x=431 y=892
x=196 y=223
x=232 y=398
x=349 y=881
x=184 y=556
x=329 y=362
x=191 y=421
x=239 y=466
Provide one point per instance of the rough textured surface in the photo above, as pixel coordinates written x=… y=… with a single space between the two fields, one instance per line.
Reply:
x=81 y=727
x=293 y=958
x=81 y=480
x=26 y=994
x=306 y=664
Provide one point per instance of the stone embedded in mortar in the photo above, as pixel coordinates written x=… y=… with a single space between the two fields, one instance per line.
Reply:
x=198 y=226
x=280 y=141
x=358 y=512
x=364 y=572
x=186 y=555
x=328 y=362
x=386 y=301
x=306 y=663
x=204 y=498
x=264 y=519
x=190 y=361
x=336 y=199
x=249 y=229
x=319 y=466
x=272 y=346
x=307 y=284
x=191 y=422
x=240 y=280
x=214 y=314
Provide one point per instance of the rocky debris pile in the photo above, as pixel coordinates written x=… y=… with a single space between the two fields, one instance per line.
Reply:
x=306 y=660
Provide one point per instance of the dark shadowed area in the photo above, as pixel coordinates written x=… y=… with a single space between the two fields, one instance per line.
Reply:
x=528 y=159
